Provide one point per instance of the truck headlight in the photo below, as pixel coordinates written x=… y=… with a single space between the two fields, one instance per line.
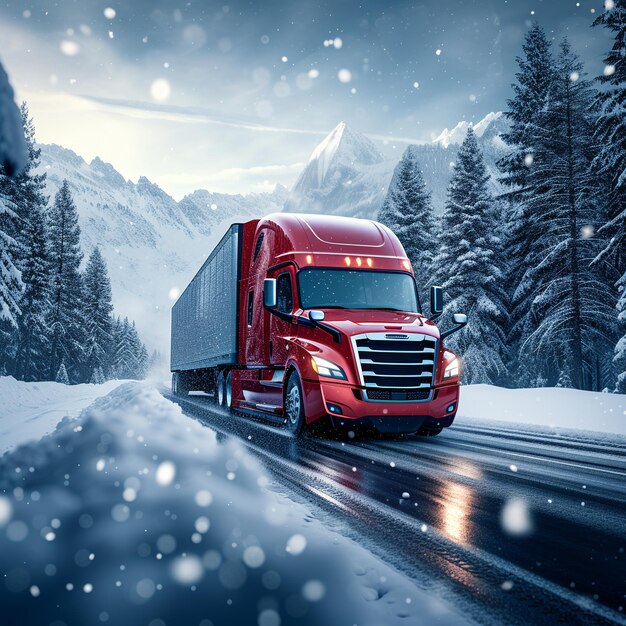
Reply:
x=452 y=369
x=327 y=368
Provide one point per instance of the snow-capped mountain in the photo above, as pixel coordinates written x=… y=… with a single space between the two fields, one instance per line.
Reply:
x=347 y=175
x=457 y=134
x=153 y=245
x=345 y=171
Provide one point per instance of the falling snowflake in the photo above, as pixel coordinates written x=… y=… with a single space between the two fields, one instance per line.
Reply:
x=69 y=48
x=160 y=89
x=515 y=517
x=296 y=544
x=109 y=13
x=344 y=75
x=165 y=473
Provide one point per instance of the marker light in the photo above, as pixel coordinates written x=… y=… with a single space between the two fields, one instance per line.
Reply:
x=309 y=259
x=348 y=261
x=406 y=264
x=370 y=263
x=358 y=261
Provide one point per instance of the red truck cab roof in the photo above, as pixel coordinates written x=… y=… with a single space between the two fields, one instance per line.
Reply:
x=333 y=241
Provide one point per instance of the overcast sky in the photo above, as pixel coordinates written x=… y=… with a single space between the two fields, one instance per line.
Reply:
x=233 y=96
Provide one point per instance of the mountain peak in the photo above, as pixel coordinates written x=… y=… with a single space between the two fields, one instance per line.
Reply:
x=457 y=134
x=343 y=143
x=107 y=171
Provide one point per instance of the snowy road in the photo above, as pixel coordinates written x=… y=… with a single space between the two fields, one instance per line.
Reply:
x=514 y=526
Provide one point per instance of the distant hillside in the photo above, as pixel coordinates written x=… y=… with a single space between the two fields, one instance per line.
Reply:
x=152 y=243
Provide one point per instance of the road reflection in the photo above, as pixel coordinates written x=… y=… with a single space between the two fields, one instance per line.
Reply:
x=456 y=503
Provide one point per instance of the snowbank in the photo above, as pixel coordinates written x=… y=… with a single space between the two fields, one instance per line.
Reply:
x=546 y=406
x=28 y=411
x=137 y=514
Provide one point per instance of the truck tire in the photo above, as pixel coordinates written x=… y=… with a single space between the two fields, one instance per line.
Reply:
x=294 y=405
x=228 y=391
x=219 y=389
x=224 y=389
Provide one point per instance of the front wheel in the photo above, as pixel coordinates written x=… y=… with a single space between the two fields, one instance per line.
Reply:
x=294 y=405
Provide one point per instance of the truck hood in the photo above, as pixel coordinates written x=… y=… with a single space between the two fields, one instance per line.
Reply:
x=355 y=322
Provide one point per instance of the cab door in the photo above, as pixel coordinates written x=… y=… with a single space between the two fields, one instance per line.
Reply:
x=281 y=325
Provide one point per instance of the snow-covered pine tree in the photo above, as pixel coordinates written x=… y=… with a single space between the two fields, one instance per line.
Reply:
x=97 y=376
x=10 y=277
x=140 y=354
x=123 y=361
x=571 y=304
x=469 y=267
x=66 y=321
x=610 y=163
x=407 y=211
x=29 y=188
x=33 y=332
x=32 y=335
x=62 y=376
x=97 y=309
x=534 y=79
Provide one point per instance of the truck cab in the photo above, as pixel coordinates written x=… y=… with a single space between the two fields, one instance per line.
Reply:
x=330 y=330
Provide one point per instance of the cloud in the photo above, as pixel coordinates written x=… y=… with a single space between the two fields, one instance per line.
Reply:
x=184 y=114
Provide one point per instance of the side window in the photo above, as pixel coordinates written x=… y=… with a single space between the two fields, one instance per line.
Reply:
x=257 y=247
x=284 y=293
x=250 y=305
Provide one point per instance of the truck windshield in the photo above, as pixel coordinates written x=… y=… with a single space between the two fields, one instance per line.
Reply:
x=357 y=289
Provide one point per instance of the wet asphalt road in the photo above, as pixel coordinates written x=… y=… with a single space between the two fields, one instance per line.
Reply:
x=434 y=508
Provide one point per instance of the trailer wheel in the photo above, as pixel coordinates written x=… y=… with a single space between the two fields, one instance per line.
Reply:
x=228 y=391
x=219 y=391
x=294 y=405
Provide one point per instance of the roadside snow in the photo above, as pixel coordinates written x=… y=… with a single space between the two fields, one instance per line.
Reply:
x=546 y=406
x=136 y=513
x=28 y=411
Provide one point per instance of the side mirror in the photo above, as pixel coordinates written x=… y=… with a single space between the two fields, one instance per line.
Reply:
x=317 y=316
x=269 y=293
x=460 y=319
x=436 y=300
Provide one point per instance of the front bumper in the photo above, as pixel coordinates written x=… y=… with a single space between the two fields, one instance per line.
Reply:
x=384 y=416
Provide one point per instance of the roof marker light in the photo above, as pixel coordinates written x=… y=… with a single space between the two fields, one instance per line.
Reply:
x=406 y=264
x=309 y=259
x=358 y=261
x=370 y=263
x=348 y=261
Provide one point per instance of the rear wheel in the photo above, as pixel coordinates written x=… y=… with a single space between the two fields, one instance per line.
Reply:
x=228 y=391
x=219 y=389
x=294 y=405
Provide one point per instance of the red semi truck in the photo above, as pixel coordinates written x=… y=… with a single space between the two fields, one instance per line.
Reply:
x=302 y=318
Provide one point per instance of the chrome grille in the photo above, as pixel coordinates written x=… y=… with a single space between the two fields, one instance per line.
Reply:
x=396 y=361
